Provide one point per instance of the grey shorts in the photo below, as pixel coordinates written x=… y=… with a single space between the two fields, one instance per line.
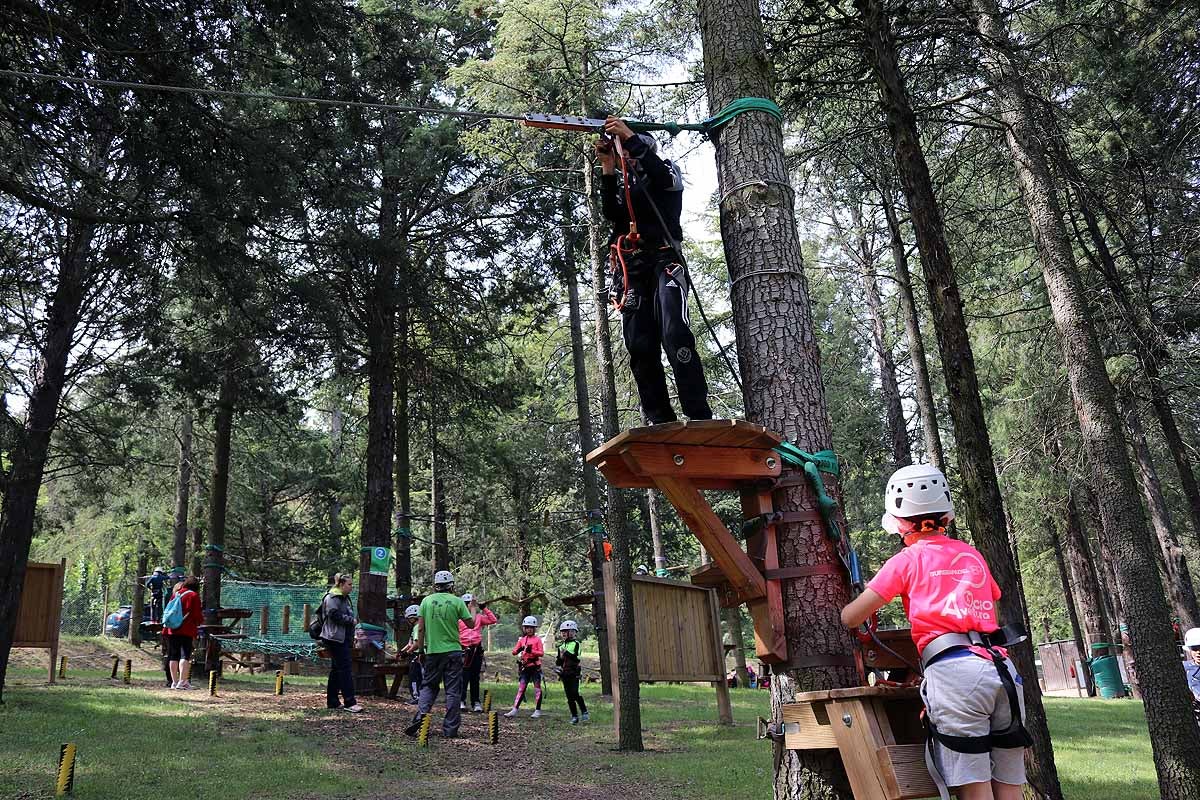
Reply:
x=964 y=697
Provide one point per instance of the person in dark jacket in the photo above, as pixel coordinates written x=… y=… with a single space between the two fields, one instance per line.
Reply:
x=337 y=636
x=651 y=289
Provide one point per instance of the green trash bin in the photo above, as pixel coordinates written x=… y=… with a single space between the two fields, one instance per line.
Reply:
x=1107 y=672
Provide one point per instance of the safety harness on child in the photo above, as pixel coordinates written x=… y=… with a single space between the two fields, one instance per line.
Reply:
x=1015 y=735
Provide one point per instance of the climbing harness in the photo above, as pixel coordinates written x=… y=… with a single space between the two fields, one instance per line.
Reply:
x=1014 y=736
x=627 y=243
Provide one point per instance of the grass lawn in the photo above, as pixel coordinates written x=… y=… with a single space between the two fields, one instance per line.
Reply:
x=141 y=740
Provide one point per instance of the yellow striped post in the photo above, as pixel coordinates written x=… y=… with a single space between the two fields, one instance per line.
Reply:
x=493 y=728
x=487 y=700
x=278 y=682
x=116 y=666
x=128 y=671
x=62 y=667
x=423 y=735
x=66 y=770
x=212 y=683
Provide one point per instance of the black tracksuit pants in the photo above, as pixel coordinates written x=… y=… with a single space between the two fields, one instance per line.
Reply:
x=654 y=319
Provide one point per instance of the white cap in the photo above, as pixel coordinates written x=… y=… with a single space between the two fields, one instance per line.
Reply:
x=569 y=625
x=1192 y=638
x=412 y=611
x=442 y=576
x=529 y=622
x=468 y=597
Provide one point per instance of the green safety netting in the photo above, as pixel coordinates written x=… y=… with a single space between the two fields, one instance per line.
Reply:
x=253 y=595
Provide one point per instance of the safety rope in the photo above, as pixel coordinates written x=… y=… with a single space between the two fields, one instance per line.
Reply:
x=723 y=117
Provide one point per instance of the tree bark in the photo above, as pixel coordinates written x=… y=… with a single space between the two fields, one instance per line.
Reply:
x=28 y=455
x=403 y=461
x=656 y=541
x=380 y=308
x=1176 y=573
x=1072 y=610
x=923 y=388
x=337 y=419
x=587 y=439
x=617 y=516
x=198 y=529
x=183 y=492
x=218 y=496
x=733 y=623
x=780 y=367
x=976 y=465
x=1174 y=736
x=1096 y=622
x=440 y=554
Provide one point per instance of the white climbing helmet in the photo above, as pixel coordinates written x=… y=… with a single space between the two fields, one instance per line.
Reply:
x=412 y=611
x=569 y=625
x=529 y=622
x=468 y=597
x=442 y=577
x=915 y=491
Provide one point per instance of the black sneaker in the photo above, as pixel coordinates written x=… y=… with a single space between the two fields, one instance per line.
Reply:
x=413 y=729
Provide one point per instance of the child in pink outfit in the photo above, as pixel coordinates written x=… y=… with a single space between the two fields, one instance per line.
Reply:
x=529 y=651
x=470 y=636
x=972 y=692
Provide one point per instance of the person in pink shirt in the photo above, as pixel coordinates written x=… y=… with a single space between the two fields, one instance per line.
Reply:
x=972 y=692
x=529 y=651
x=471 y=638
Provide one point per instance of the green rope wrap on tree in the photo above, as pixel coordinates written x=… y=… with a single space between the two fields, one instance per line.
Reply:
x=366 y=626
x=216 y=547
x=740 y=106
x=404 y=533
x=813 y=465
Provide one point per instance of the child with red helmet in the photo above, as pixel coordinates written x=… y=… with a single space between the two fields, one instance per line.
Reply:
x=972 y=692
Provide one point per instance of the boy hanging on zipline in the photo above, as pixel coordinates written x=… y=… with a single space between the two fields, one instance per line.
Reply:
x=973 y=698
x=649 y=281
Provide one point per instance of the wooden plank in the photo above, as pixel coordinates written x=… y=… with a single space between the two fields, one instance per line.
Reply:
x=617 y=472
x=733 y=433
x=906 y=763
x=770 y=621
x=724 y=549
x=724 y=706
x=857 y=743
x=806 y=726
x=726 y=463
x=898 y=692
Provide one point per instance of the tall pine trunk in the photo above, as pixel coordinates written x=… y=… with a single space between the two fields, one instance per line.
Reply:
x=139 y=593
x=28 y=454
x=656 y=540
x=1097 y=625
x=1174 y=735
x=587 y=439
x=774 y=327
x=617 y=517
x=440 y=554
x=977 y=470
x=218 y=495
x=403 y=457
x=733 y=623
x=1176 y=572
x=1069 y=600
x=183 y=492
x=923 y=388
x=380 y=308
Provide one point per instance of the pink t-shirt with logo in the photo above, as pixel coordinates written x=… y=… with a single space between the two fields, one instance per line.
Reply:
x=946 y=587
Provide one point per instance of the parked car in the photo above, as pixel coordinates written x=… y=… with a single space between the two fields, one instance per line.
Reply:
x=117 y=623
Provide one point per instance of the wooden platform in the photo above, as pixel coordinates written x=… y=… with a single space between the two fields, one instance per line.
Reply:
x=876 y=729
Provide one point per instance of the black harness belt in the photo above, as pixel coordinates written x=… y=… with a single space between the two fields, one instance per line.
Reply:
x=1014 y=736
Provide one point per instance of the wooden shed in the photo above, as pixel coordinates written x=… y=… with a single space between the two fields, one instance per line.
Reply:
x=40 y=612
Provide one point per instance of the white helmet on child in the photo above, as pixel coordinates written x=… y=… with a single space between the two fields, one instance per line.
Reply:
x=529 y=622
x=468 y=597
x=442 y=577
x=915 y=491
x=412 y=611
x=569 y=625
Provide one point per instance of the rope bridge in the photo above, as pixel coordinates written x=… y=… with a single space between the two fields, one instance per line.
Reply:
x=253 y=595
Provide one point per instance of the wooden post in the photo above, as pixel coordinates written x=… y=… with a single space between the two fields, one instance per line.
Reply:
x=264 y=620
x=307 y=616
x=724 y=706
x=139 y=594
x=286 y=623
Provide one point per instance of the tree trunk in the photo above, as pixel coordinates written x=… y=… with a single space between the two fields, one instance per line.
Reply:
x=916 y=342
x=218 y=495
x=1072 y=611
x=139 y=593
x=617 y=518
x=1176 y=574
x=660 y=555
x=380 y=307
x=774 y=327
x=587 y=439
x=198 y=516
x=28 y=455
x=337 y=420
x=733 y=623
x=1016 y=557
x=1096 y=622
x=1174 y=735
x=977 y=470
x=403 y=462
x=440 y=554
x=183 y=493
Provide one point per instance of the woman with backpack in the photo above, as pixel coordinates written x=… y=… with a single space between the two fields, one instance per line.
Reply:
x=180 y=620
x=337 y=636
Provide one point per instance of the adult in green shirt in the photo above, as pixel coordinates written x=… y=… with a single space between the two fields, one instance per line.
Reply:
x=437 y=637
